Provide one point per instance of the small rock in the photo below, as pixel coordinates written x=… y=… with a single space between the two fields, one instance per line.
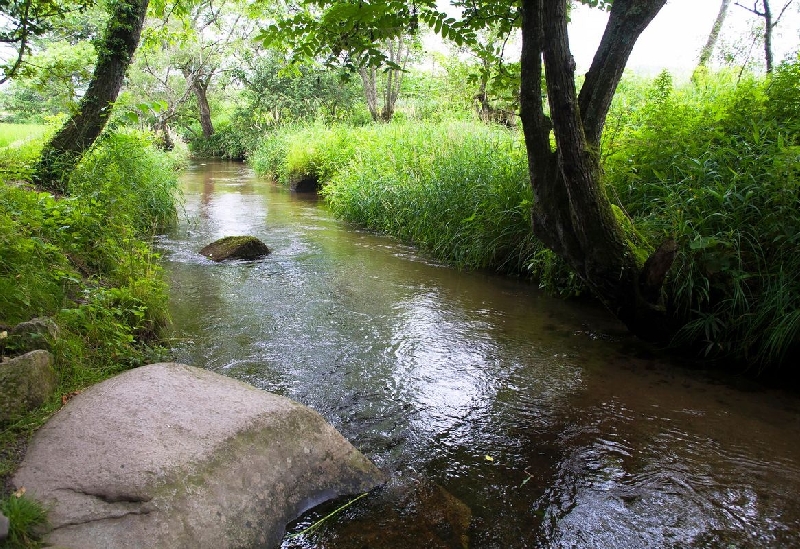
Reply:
x=26 y=382
x=4 y=526
x=34 y=334
x=236 y=247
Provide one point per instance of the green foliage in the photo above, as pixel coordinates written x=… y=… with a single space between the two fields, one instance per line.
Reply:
x=50 y=83
x=466 y=201
x=85 y=261
x=717 y=165
x=135 y=182
x=25 y=515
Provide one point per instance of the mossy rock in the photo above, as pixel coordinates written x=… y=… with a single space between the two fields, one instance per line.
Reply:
x=236 y=247
x=26 y=382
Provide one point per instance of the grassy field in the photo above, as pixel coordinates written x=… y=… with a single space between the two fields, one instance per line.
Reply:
x=9 y=133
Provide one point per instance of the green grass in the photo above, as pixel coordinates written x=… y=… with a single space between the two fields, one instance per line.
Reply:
x=11 y=133
x=25 y=515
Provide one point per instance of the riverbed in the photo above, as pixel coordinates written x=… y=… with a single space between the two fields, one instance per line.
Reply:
x=503 y=417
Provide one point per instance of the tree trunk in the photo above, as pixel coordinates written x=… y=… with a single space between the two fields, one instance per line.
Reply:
x=368 y=77
x=572 y=215
x=398 y=53
x=115 y=52
x=713 y=36
x=768 y=26
x=200 y=92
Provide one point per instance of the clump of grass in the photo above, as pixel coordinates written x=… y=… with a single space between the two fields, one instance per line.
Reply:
x=459 y=191
x=26 y=517
x=308 y=151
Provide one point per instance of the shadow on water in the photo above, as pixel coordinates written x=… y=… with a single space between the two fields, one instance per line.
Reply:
x=503 y=417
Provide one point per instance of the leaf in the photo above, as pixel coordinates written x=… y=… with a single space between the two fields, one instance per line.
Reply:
x=488 y=458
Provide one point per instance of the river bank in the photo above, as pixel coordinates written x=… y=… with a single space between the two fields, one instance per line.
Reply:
x=82 y=263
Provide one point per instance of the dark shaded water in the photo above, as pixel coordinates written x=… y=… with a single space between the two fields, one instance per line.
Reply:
x=504 y=418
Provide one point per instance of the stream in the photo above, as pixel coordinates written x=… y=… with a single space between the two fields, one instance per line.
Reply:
x=503 y=417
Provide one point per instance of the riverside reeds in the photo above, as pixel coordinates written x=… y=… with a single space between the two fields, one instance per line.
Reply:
x=714 y=164
x=458 y=190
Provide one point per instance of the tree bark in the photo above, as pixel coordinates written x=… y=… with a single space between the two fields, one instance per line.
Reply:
x=368 y=78
x=572 y=214
x=768 y=26
x=200 y=92
x=713 y=36
x=115 y=52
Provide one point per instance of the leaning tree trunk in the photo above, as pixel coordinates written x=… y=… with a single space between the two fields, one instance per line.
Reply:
x=572 y=215
x=200 y=92
x=114 y=54
x=713 y=36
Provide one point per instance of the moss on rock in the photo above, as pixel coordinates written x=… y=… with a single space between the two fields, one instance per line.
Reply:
x=236 y=247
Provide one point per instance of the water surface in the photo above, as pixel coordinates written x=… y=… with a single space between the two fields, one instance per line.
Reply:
x=504 y=418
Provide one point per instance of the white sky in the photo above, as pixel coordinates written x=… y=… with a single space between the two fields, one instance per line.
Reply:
x=674 y=39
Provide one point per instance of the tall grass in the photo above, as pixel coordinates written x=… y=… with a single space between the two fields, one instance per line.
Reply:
x=457 y=190
x=717 y=165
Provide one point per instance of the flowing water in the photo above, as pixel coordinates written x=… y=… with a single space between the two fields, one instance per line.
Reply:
x=504 y=418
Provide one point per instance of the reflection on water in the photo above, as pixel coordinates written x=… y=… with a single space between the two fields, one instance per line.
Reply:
x=504 y=418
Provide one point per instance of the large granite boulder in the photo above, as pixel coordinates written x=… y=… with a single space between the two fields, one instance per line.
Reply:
x=236 y=247
x=26 y=382
x=168 y=455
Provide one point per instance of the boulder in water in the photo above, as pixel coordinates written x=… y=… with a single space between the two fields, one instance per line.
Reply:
x=168 y=455
x=236 y=247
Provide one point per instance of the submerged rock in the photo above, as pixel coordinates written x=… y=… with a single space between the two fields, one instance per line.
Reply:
x=26 y=382
x=168 y=455
x=236 y=247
